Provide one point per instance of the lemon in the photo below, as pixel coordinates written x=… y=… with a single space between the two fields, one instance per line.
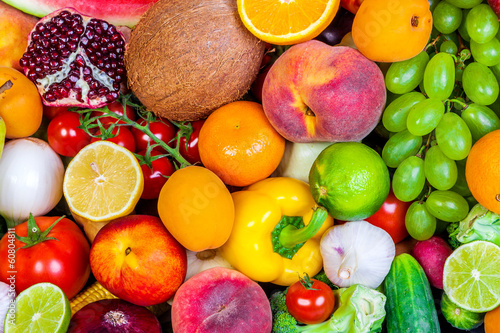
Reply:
x=102 y=182
x=42 y=308
x=350 y=180
x=471 y=278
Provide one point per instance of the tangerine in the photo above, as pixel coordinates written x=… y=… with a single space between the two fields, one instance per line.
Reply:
x=492 y=321
x=482 y=171
x=238 y=143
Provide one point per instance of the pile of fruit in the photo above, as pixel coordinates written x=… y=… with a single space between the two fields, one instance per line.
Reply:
x=250 y=166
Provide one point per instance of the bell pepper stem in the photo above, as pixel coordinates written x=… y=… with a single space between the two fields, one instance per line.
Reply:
x=291 y=235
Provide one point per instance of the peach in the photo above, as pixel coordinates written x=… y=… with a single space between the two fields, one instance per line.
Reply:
x=221 y=300
x=15 y=27
x=316 y=92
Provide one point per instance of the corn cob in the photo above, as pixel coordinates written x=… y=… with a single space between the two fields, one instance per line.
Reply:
x=96 y=292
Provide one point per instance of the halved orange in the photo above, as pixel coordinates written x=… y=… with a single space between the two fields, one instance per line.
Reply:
x=102 y=182
x=287 y=22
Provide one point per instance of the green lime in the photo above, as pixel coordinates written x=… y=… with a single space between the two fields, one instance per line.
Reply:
x=350 y=180
x=459 y=317
x=42 y=308
x=471 y=278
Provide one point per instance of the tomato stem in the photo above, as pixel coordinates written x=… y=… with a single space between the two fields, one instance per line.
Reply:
x=35 y=235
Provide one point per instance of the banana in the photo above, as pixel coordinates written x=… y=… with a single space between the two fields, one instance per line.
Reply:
x=3 y=130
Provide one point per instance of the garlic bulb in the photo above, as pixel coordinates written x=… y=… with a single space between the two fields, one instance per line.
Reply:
x=357 y=253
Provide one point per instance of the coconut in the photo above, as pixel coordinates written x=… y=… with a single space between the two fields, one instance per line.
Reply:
x=186 y=58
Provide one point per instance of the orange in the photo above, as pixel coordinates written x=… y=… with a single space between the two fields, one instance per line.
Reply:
x=196 y=208
x=20 y=104
x=390 y=31
x=287 y=22
x=482 y=171
x=239 y=144
x=492 y=321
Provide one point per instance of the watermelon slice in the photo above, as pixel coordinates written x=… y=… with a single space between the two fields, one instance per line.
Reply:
x=116 y=12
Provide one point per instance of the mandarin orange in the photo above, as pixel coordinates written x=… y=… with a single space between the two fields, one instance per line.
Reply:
x=238 y=143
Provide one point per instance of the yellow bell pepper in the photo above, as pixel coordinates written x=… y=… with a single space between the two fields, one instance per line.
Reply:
x=265 y=213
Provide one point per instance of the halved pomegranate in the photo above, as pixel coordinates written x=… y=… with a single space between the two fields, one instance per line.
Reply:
x=75 y=60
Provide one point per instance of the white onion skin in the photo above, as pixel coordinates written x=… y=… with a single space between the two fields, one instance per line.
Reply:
x=357 y=252
x=31 y=179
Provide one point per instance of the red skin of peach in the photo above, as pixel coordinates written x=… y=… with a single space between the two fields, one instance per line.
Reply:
x=316 y=92
x=138 y=260
x=221 y=300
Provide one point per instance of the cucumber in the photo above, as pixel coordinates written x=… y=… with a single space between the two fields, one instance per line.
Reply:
x=410 y=305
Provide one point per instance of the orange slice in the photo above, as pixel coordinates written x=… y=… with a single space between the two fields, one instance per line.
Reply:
x=102 y=182
x=287 y=22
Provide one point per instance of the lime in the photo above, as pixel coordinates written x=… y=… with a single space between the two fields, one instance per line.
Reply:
x=350 y=180
x=42 y=308
x=459 y=317
x=471 y=278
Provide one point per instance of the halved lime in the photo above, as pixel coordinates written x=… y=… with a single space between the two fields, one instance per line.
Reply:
x=42 y=308
x=471 y=276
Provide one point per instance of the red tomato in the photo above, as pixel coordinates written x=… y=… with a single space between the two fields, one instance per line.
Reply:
x=391 y=217
x=51 y=111
x=156 y=177
x=64 y=136
x=162 y=129
x=123 y=137
x=310 y=301
x=190 y=151
x=117 y=108
x=63 y=262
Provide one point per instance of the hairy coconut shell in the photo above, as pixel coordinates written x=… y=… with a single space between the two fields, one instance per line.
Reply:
x=186 y=58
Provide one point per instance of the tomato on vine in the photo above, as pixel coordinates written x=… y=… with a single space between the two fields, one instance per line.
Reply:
x=120 y=135
x=64 y=134
x=117 y=108
x=310 y=301
x=188 y=143
x=161 y=128
x=155 y=173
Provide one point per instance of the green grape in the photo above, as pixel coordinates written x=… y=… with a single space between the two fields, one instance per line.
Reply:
x=446 y=17
x=424 y=116
x=439 y=76
x=453 y=136
x=448 y=206
x=449 y=47
x=481 y=120
x=404 y=76
x=433 y=4
x=409 y=179
x=419 y=223
x=465 y=3
x=486 y=53
x=480 y=84
x=395 y=114
x=461 y=186
x=482 y=23
x=462 y=29
x=496 y=71
x=440 y=170
x=400 y=146
x=459 y=72
x=458 y=106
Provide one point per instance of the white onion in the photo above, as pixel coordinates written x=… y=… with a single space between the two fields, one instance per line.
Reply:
x=357 y=253
x=31 y=178
x=298 y=159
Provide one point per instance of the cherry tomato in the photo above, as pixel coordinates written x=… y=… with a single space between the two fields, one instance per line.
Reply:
x=64 y=136
x=63 y=262
x=191 y=154
x=391 y=217
x=310 y=301
x=123 y=137
x=161 y=128
x=117 y=108
x=157 y=176
x=51 y=111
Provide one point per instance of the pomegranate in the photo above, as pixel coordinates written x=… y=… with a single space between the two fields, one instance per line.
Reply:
x=75 y=60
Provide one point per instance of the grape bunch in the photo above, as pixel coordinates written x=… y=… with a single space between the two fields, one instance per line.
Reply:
x=441 y=102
